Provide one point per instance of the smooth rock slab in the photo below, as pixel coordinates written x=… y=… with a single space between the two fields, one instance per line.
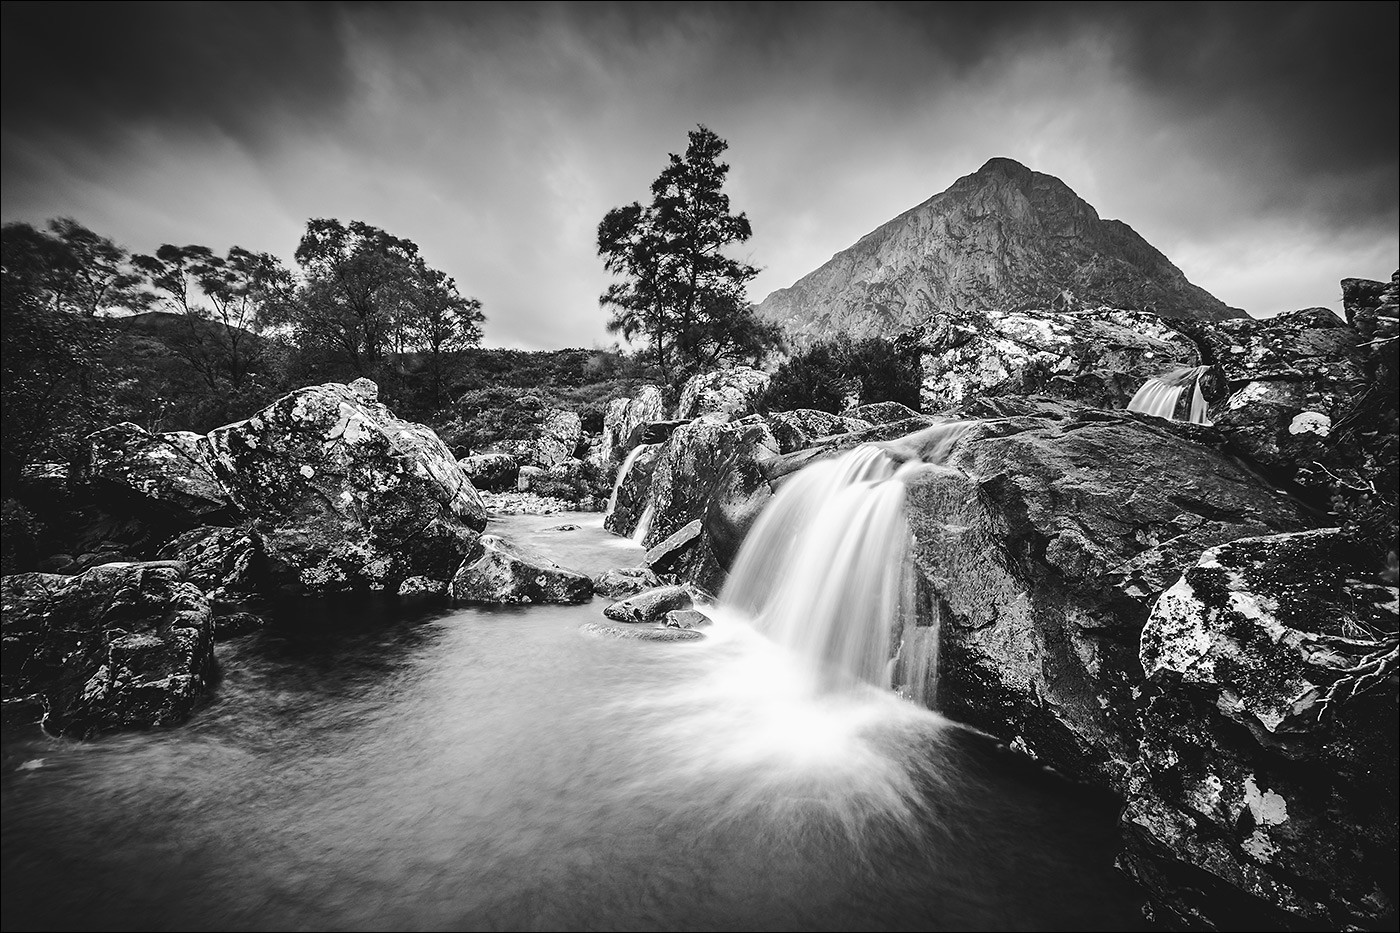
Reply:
x=640 y=632
x=117 y=647
x=501 y=572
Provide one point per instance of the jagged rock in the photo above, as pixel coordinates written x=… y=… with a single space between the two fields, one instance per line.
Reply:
x=650 y=605
x=344 y=495
x=169 y=473
x=633 y=492
x=523 y=503
x=493 y=472
x=422 y=586
x=795 y=430
x=670 y=554
x=1002 y=238
x=226 y=563
x=559 y=437
x=686 y=618
x=726 y=394
x=1045 y=543
x=116 y=647
x=1098 y=357
x=237 y=624
x=500 y=572
x=1269 y=741
x=640 y=632
x=882 y=412
x=623 y=417
x=625 y=581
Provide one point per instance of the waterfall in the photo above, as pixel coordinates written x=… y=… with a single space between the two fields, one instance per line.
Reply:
x=826 y=569
x=1161 y=395
x=622 y=475
x=639 y=535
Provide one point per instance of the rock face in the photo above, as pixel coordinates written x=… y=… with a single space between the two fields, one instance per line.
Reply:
x=1097 y=357
x=1003 y=238
x=726 y=394
x=227 y=563
x=168 y=473
x=1045 y=543
x=795 y=430
x=115 y=647
x=500 y=572
x=344 y=495
x=1269 y=740
x=493 y=472
x=623 y=418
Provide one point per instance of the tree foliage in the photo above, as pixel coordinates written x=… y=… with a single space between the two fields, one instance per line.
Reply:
x=833 y=375
x=678 y=291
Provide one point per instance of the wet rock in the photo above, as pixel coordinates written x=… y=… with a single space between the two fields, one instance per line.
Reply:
x=625 y=581
x=344 y=495
x=650 y=605
x=491 y=472
x=706 y=461
x=559 y=437
x=1268 y=759
x=237 y=624
x=686 y=618
x=640 y=632
x=882 y=412
x=725 y=394
x=669 y=556
x=795 y=430
x=1098 y=357
x=167 y=473
x=1045 y=543
x=116 y=647
x=227 y=563
x=500 y=572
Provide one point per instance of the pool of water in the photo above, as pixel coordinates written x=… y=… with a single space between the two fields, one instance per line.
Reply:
x=385 y=766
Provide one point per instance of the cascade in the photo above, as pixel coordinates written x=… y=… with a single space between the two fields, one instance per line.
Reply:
x=622 y=475
x=826 y=570
x=639 y=535
x=1161 y=395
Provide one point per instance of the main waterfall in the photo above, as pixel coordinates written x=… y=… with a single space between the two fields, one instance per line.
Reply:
x=826 y=570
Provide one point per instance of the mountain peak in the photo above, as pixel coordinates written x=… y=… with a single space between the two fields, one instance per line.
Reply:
x=983 y=245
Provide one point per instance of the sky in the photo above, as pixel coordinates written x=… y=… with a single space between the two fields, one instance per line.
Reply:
x=1254 y=144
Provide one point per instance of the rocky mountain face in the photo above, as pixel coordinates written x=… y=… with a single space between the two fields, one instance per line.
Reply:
x=1003 y=238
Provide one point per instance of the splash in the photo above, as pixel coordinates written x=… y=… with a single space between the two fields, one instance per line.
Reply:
x=1161 y=395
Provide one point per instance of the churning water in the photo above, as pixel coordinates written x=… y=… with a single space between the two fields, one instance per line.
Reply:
x=1161 y=395
x=401 y=768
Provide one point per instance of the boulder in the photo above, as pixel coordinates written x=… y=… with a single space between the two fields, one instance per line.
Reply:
x=117 y=647
x=1098 y=357
x=882 y=412
x=344 y=495
x=624 y=581
x=493 y=472
x=166 y=473
x=527 y=476
x=623 y=417
x=1268 y=757
x=558 y=439
x=724 y=395
x=1044 y=544
x=795 y=430
x=500 y=572
x=650 y=605
x=227 y=563
x=640 y=632
x=686 y=618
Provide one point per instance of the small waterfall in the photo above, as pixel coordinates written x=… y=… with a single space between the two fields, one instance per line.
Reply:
x=622 y=475
x=639 y=535
x=826 y=569
x=1161 y=395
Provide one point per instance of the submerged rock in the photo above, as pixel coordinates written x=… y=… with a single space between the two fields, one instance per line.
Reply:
x=344 y=495
x=117 y=647
x=501 y=572
x=640 y=632
x=1268 y=761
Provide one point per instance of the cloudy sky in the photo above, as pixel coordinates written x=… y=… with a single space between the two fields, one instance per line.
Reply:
x=1254 y=144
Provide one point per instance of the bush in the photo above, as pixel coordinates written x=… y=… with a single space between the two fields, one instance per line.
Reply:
x=837 y=374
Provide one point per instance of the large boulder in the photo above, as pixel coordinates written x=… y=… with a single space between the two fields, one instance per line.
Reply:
x=1267 y=774
x=725 y=394
x=1098 y=357
x=493 y=472
x=559 y=436
x=344 y=495
x=120 y=646
x=623 y=417
x=501 y=572
x=169 y=474
x=1044 y=543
